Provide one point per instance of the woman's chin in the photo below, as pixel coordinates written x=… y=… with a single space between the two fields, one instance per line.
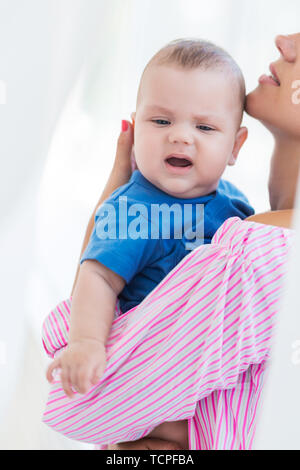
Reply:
x=276 y=113
x=253 y=103
x=260 y=105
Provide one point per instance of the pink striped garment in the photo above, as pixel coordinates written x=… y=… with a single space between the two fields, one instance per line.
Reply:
x=195 y=348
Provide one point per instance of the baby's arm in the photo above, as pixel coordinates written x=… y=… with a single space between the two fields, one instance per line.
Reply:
x=83 y=361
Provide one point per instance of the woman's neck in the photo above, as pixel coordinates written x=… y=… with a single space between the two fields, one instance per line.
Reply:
x=284 y=171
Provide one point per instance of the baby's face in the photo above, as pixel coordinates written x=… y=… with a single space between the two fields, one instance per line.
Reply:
x=186 y=129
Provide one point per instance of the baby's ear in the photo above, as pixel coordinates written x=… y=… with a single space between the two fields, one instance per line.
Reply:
x=240 y=138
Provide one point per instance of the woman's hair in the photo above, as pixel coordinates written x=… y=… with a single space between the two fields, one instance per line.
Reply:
x=195 y=53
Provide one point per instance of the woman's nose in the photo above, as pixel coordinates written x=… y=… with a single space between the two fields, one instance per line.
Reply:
x=287 y=47
x=180 y=135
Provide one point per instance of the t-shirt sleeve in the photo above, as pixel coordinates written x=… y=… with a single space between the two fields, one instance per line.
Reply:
x=239 y=203
x=122 y=242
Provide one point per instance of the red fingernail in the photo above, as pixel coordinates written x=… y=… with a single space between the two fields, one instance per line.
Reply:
x=124 y=126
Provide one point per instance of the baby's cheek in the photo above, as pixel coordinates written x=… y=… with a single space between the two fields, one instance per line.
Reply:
x=144 y=151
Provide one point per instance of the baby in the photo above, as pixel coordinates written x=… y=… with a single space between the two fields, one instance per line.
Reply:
x=187 y=129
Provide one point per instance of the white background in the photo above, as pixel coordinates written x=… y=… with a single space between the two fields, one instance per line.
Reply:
x=69 y=71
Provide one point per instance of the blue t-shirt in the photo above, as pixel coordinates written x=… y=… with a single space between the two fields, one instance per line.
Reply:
x=142 y=233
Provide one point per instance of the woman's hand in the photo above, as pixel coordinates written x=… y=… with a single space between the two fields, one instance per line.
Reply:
x=122 y=169
x=124 y=159
x=146 y=443
x=123 y=165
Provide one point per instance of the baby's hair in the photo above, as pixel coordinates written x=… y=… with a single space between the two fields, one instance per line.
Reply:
x=194 y=53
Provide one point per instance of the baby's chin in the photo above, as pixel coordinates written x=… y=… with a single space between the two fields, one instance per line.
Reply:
x=175 y=189
x=182 y=190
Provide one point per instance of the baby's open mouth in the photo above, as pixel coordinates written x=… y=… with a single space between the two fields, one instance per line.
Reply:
x=176 y=161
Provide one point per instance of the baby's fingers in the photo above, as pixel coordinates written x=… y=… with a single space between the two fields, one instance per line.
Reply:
x=97 y=374
x=54 y=365
x=66 y=382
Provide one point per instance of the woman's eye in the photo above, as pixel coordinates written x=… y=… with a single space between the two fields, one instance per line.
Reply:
x=205 y=128
x=161 y=122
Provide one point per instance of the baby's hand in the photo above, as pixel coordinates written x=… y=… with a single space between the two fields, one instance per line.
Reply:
x=82 y=364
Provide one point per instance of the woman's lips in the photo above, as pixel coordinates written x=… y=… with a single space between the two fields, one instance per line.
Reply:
x=268 y=79
x=274 y=74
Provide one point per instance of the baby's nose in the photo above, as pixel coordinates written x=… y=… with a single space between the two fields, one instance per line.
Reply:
x=180 y=135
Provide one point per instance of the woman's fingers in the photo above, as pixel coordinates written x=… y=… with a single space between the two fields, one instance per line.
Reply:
x=124 y=146
x=160 y=444
x=146 y=444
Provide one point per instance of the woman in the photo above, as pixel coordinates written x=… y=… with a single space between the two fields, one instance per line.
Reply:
x=273 y=105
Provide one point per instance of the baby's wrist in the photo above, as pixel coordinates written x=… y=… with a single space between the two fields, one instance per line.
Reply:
x=86 y=339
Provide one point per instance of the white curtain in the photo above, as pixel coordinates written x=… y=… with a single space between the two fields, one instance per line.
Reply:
x=69 y=71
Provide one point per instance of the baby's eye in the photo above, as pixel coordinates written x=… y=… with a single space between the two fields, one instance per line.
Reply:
x=205 y=128
x=161 y=122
